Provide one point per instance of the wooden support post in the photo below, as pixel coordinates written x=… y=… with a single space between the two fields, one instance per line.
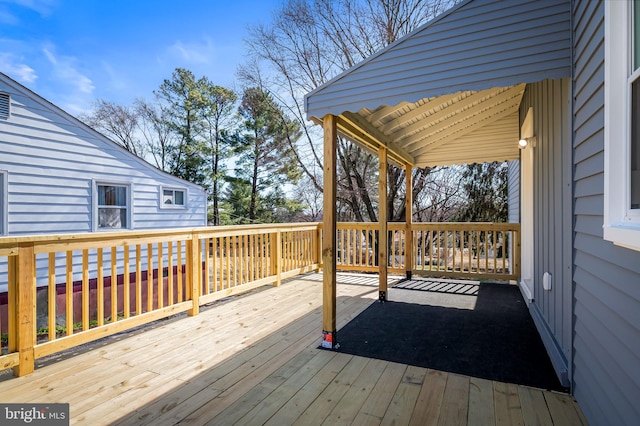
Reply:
x=383 y=235
x=194 y=270
x=329 y=337
x=409 y=255
x=24 y=288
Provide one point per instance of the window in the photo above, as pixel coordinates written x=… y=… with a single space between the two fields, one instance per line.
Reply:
x=3 y=203
x=622 y=124
x=112 y=206
x=172 y=197
x=5 y=105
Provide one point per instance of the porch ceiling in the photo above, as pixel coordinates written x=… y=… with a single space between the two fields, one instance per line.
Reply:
x=463 y=127
x=449 y=91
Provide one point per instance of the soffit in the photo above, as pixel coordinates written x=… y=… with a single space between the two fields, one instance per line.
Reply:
x=467 y=126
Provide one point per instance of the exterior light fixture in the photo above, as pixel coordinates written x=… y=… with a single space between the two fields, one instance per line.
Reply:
x=524 y=142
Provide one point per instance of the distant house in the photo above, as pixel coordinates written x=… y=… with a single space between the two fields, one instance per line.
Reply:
x=59 y=176
x=564 y=76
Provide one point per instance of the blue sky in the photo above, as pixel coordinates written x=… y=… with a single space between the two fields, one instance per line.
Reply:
x=72 y=52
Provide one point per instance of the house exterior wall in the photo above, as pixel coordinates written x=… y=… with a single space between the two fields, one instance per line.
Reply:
x=49 y=164
x=606 y=373
x=552 y=220
x=51 y=161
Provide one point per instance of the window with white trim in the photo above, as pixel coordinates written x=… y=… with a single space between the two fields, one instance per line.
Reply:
x=3 y=203
x=173 y=197
x=112 y=206
x=622 y=124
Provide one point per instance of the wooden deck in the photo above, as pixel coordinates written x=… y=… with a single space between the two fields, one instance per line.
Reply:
x=255 y=360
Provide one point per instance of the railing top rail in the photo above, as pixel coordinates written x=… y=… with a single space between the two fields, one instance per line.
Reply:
x=135 y=236
x=491 y=226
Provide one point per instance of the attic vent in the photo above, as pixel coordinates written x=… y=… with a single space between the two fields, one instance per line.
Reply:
x=4 y=105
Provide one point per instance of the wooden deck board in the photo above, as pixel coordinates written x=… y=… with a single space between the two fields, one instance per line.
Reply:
x=349 y=406
x=404 y=400
x=481 y=405
x=455 y=401
x=255 y=360
x=375 y=407
x=427 y=409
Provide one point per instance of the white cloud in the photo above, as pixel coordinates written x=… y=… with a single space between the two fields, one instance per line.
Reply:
x=194 y=53
x=117 y=80
x=64 y=69
x=16 y=69
x=7 y=17
x=43 y=7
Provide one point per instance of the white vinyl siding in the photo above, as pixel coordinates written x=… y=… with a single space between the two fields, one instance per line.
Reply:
x=622 y=134
x=54 y=160
x=3 y=202
x=53 y=163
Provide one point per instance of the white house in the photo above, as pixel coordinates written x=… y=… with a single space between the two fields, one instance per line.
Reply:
x=57 y=175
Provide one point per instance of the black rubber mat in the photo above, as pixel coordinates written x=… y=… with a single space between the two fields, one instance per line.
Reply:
x=492 y=336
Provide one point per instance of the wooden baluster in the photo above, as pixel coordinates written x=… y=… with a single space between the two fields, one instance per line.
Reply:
x=149 y=277
x=126 y=298
x=51 y=308
x=160 y=274
x=138 y=279
x=180 y=272
x=69 y=293
x=85 y=290
x=114 y=285
x=100 y=285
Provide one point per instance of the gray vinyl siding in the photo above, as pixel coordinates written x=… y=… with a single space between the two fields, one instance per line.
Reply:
x=478 y=45
x=513 y=191
x=552 y=215
x=606 y=374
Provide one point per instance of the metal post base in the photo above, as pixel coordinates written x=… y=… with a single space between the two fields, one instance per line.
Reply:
x=329 y=340
x=382 y=296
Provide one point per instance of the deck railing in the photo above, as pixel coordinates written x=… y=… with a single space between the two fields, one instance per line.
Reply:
x=66 y=290
x=456 y=250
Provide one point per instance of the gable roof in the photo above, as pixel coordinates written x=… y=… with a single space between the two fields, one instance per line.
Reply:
x=453 y=84
x=54 y=109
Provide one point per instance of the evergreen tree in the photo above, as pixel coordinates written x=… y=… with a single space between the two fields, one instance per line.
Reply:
x=182 y=101
x=218 y=118
x=485 y=186
x=265 y=157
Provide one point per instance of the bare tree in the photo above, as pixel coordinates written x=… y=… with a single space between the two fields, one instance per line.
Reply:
x=157 y=133
x=118 y=122
x=311 y=41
